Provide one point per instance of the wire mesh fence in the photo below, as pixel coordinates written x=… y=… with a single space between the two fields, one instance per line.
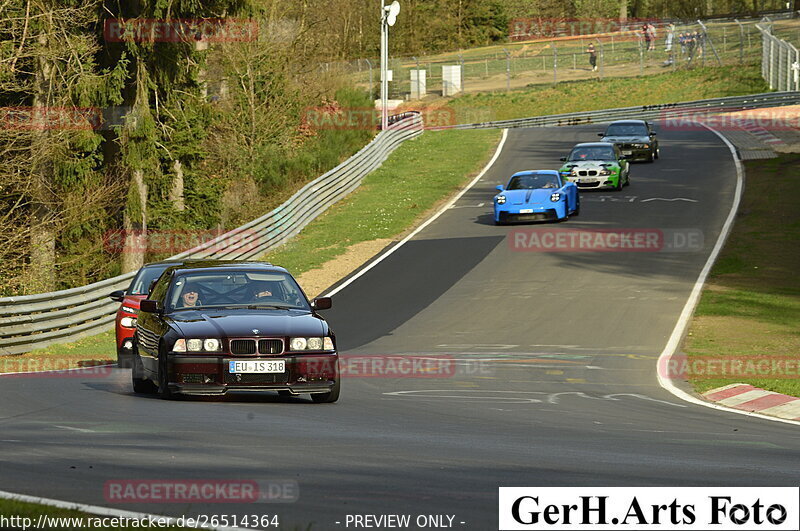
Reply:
x=780 y=59
x=627 y=51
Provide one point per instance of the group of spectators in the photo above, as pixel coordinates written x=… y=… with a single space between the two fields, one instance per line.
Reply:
x=691 y=43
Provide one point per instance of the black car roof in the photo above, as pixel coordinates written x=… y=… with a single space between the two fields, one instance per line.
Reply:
x=633 y=122
x=238 y=265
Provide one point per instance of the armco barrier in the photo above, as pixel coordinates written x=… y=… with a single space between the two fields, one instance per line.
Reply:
x=34 y=321
x=648 y=112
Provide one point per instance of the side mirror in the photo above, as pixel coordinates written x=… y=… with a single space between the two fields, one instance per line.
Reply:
x=150 y=306
x=563 y=159
x=322 y=303
x=652 y=133
x=601 y=134
x=117 y=295
x=499 y=188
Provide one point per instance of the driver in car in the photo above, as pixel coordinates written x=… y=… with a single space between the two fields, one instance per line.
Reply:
x=190 y=296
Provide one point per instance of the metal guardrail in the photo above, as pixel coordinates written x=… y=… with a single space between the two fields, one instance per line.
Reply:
x=665 y=111
x=34 y=321
x=780 y=60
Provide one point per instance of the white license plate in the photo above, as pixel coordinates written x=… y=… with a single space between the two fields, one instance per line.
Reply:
x=526 y=211
x=627 y=152
x=256 y=366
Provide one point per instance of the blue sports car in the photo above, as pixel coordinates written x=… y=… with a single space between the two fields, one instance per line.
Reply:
x=536 y=195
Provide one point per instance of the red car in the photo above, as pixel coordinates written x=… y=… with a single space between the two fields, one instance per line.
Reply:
x=130 y=298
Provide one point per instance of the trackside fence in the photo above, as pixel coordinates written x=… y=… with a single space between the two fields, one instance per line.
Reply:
x=780 y=60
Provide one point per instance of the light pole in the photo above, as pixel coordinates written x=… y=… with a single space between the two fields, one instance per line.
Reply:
x=388 y=18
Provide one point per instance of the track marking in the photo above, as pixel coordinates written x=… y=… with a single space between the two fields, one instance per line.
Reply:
x=549 y=398
x=430 y=220
x=82 y=430
x=682 y=325
x=669 y=200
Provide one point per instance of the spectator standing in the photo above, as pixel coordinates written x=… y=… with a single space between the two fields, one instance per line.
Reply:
x=646 y=35
x=592 y=56
x=651 y=30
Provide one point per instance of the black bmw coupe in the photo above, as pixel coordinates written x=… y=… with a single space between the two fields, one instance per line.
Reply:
x=211 y=327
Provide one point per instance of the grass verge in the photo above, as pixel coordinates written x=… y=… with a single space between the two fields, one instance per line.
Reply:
x=392 y=199
x=576 y=96
x=750 y=308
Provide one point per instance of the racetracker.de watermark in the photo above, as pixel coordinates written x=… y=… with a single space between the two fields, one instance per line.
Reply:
x=201 y=491
x=784 y=119
x=176 y=241
x=329 y=117
x=50 y=118
x=180 y=30
x=551 y=240
x=521 y=29
x=54 y=368
x=683 y=367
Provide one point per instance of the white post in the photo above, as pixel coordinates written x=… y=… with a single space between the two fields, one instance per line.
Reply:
x=384 y=68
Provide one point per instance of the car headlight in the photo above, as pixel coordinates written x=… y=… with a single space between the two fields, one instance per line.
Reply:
x=501 y=199
x=311 y=343
x=298 y=343
x=197 y=345
x=128 y=322
x=573 y=172
x=605 y=172
x=194 y=345
x=314 y=343
x=128 y=309
x=555 y=197
x=212 y=345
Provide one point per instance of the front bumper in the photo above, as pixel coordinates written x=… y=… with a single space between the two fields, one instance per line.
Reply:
x=209 y=375
x=515 y=216
x=598 y=183
x=636 y=153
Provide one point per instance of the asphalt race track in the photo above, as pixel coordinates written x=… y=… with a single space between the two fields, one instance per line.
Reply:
x=554 y=382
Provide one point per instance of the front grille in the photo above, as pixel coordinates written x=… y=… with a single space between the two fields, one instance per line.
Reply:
x=536 y=216
x=235 y=379
x=243 y=346
x=587 y=173
x=270 y=346
x=589 y=185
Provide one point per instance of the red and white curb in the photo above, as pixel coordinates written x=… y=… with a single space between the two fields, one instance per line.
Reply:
x=748 y=398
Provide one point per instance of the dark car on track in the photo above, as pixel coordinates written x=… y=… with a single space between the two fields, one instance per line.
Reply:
x=635 y=138
x=217 y=326
x=125 y=323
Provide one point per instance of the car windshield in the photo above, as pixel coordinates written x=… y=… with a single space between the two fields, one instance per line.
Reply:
x=145 y=277
x=532 y=181
x=592 y=153
x=208 y=289
x=626 y=130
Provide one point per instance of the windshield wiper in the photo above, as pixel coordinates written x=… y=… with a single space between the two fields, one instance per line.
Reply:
x=270 y=306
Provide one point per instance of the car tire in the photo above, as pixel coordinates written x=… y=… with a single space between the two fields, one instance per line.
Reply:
x=618 y=187
x=658 y=153
x=163 y=387
x=628 y=179
x=141 y=385
x=652 y=156
x=330 y=397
